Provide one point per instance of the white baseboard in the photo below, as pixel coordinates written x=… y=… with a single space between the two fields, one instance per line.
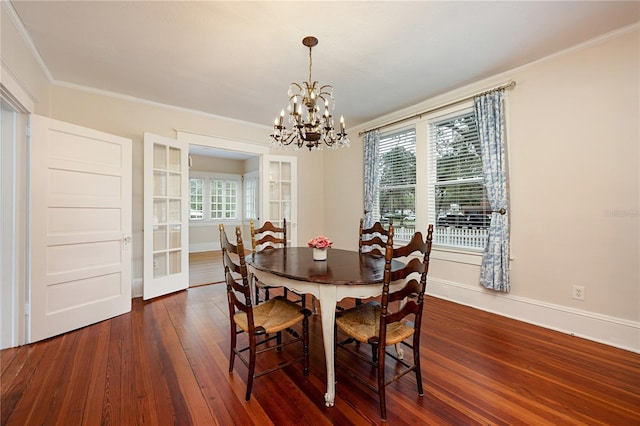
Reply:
x=612 y=331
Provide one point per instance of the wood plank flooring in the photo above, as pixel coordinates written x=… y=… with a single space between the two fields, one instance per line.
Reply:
x=205 y=268
x=166 y=363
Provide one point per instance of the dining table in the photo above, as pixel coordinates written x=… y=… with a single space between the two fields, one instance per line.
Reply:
x=343 y=274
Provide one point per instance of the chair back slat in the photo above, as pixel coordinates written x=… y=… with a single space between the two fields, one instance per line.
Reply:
x=268 y=236
x=372 y=240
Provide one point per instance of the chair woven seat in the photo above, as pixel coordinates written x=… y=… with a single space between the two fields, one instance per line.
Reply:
x=363 y=324
x=274 y=315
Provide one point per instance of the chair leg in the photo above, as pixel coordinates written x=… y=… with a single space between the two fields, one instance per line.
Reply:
x=416 y=362
x=257 y=294
x=252 y=366
x=381 y=388
x=279 y=340
x=304 y=300
x=232 y=354
x=266 y=294
x=305 y=345
x=313 y=303
x=335 y=346
x=374 y=352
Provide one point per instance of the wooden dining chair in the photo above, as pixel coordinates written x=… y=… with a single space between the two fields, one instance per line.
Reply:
x=397 y=319
x=262 y=322
x=268 y=237
x=373 y=240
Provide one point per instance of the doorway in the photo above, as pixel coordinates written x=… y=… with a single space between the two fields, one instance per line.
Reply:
x=223 y=189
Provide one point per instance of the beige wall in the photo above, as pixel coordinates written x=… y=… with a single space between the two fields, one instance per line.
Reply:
x=218 y=165
x=131 y=118
x=573 y=139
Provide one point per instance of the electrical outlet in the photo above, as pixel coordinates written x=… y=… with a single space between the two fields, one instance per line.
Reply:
x=578 y=292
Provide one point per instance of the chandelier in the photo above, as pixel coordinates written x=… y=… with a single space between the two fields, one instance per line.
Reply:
x=309 y=127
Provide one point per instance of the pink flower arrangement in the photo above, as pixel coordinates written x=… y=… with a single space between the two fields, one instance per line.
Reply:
x=320 y=242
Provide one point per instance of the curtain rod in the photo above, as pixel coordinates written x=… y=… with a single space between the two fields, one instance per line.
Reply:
x=508 y=85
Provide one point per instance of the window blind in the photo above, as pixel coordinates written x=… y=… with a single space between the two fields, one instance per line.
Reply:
x=397 y=168
x=458 y=202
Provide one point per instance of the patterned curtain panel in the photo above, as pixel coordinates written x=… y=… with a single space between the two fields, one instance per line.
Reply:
x=489 y=110
x=371 y=175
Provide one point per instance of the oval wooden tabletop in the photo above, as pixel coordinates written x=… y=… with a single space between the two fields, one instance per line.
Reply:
x=342 y=267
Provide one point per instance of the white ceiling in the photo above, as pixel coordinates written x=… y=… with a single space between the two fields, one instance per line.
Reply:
x=236 y=59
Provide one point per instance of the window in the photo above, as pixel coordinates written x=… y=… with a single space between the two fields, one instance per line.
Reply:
x=224 y=198
x=251 y=195
x=196 y=194
x=458 y=202
x=223 y=195
x=397 y=195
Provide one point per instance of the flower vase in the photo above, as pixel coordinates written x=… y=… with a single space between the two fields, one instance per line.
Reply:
x=319 y=254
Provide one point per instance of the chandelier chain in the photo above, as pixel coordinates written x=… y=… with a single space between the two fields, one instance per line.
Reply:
x=310 y=64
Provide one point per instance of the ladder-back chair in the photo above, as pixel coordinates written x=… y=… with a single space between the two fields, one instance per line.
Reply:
x=261 y=323
x=268 y=237
x=397 y=319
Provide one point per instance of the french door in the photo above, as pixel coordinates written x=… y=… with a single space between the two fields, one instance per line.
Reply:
x=166 y=216
x=279 y=189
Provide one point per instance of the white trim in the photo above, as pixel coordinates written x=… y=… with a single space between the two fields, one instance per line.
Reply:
x=612 y=331
x=221 y=143
x=15 y=91
x=26 y=37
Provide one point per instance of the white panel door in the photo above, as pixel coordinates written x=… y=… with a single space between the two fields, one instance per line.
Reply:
x=80 y=227
x=279 y=192
x=166 y=216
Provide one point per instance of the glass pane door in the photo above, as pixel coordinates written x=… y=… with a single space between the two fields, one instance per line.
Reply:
x=166 y=204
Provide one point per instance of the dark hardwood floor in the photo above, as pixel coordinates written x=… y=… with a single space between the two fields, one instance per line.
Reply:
x=166 y=363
